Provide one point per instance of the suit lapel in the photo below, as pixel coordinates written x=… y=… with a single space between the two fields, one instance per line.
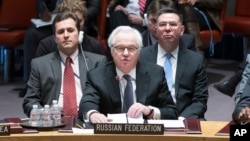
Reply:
x=181 y=65
x=142 y=83
x=153 y=51
x=82 y=69
x=57 y=72
x=112 y=84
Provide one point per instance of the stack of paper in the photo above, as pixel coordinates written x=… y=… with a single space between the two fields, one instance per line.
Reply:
x=40 y=23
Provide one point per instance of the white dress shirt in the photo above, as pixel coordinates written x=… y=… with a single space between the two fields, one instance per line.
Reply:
x=161 y=57
x=75 y=66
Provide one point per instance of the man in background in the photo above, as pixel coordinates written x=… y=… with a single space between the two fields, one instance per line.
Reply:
x=184 y=68
x=48 y=80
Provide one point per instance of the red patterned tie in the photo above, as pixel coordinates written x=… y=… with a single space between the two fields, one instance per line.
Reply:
x=142 y=6
x=69 y=90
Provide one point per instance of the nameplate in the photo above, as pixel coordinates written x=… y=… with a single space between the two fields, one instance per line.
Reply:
x=4 y=129
x=111 y=128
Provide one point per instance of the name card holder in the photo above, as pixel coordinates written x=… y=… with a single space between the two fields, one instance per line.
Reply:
x=112 y=128
x=15 y=126
x=4 y=129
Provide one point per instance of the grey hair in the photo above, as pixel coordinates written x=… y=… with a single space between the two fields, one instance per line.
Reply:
x=125 y=29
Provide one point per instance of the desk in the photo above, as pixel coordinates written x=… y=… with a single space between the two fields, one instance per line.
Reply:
x=209 y=128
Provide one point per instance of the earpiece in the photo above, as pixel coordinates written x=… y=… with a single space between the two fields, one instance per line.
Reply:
x=80 y=39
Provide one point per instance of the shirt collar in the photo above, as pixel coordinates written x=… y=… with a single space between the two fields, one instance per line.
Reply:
x=132 y=73
x=72 y=56
x=161 y=52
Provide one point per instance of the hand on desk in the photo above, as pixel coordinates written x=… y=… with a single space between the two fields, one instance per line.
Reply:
x=137 y=109
x=244 y=114
x=97 y=117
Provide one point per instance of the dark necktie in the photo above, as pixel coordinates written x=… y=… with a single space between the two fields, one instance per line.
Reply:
x=128 y=94
x=142 y=6
x=69 y=90
x=168 y=70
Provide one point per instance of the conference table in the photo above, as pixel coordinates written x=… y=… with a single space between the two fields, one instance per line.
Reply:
x=209 y=128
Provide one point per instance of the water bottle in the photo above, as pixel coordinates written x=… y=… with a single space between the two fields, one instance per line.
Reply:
x=46 y=116
x=56 y=115
x=54 y=102
x=34 y=116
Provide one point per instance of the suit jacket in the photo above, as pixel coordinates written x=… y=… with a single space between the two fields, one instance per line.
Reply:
x=102 y=92
x=188 y=38
x=44 y=84
x=243 y=102
x=244 y=79
x=93 y=10
x=44 y=5
x=48 y=45
x=190 y=83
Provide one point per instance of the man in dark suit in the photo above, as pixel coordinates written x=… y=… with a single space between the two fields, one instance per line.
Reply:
x=45 y=83
x=105 y=90
x=189 y=80
x=33 y=35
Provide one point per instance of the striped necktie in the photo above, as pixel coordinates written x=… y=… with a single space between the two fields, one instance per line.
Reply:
x=142 y=4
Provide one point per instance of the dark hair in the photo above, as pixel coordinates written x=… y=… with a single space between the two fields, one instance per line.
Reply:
x=156 y=5
x=170 y=10
x=66 y=15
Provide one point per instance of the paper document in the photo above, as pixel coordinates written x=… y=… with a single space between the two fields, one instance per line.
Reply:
x=168 y=123
x=40 y=23
x=122 y=118
x=82 y=131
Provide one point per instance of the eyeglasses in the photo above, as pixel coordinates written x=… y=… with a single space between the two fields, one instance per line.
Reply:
x=129 y=49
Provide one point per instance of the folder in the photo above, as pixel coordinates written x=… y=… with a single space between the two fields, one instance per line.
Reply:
x=193 y=126
x=225 y=131
x=15 y=126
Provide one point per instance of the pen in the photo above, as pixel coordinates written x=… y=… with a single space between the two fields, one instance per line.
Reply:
x=79 y=126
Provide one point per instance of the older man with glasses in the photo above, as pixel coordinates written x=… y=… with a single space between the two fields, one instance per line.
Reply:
x=126 y=85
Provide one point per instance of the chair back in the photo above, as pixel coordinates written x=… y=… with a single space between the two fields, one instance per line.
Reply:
x=102 y=21
x=242 y=8
x=217 y=34
x=17 y=12
x=223 y=15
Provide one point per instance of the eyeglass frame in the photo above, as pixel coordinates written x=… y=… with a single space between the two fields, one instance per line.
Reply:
x=122 y=49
